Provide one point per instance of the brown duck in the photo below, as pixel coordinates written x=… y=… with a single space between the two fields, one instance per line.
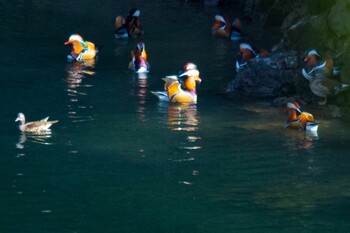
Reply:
x=35 y=126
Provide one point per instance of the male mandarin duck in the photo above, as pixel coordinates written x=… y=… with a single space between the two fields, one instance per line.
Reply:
x=316 y=66
x=129 y=26
x=298 y=119
x=319 y=72
x=35 y=126
x=138 y=62
x=181 y=93
x=81 y=50
x=247 y=53
x=223 y=28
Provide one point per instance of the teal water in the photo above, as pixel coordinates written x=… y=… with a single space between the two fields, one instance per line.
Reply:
x=120 y=161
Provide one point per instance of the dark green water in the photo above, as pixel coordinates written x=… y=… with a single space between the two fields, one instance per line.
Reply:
x=119 y=161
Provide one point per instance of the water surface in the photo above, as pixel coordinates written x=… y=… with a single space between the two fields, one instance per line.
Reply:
x=120 y=161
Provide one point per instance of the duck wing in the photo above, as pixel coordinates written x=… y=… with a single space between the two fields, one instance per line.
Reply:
x=45 y=119
x=38 y=125
x=162 y=95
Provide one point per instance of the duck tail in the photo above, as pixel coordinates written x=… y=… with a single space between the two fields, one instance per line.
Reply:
x=341 y=88
x=98 y=48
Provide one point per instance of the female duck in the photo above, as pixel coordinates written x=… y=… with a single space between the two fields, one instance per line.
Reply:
x=35 y=126
x=138 y=62
x=129 y=27
x=298 y=119
x=81 y=50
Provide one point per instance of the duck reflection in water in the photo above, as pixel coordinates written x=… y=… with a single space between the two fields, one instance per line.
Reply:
x=76 y=73
x=300 y=141
x=37 y=137
x=182 y=117
x=140 y=83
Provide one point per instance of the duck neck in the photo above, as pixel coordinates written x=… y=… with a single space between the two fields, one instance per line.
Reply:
x=292 y=115
x=77 y=47
x=190 y=84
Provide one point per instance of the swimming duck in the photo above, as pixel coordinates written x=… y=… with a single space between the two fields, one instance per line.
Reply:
x=130 y=26
x=81 y=50
x=319 y=73
x=35 y=126
x=177 y=92
x=138 y=62
x=298 y=119
x=247 y=53
x=222 y=28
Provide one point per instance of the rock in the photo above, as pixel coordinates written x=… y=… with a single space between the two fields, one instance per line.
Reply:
x=271 y=76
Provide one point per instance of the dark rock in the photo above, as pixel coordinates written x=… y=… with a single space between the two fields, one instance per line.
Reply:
x=277 y=76
x=271 y=76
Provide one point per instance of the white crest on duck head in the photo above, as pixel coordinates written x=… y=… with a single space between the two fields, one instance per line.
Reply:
x=293 y=106
x=312 y=52
x=190 y=66
x=220 y=18
x=246 y=46
x=190 y=73
x=76 y=37
x=243 y=46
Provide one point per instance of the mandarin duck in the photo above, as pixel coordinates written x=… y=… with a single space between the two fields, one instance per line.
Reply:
x=298 y=119
x=319 y=72
x=129 y=26
x=138 y=62
x=181 y=93
x=81 y=50
x=247 y=53
x=222 y=28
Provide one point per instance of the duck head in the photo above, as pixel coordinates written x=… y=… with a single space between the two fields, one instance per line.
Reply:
x=21 y=118
x=140 y=46
x=75 y=38
x=293 y=111
x=219 y=23
x=247 y=52
x=141 y=51
x=189 y=66
x=312 y=57
x=192 y=79
x=78 y=43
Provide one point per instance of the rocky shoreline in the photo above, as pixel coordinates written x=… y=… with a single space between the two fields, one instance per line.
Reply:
x=324 y=25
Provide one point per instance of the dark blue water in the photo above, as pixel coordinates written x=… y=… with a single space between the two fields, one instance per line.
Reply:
x=120 y=161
